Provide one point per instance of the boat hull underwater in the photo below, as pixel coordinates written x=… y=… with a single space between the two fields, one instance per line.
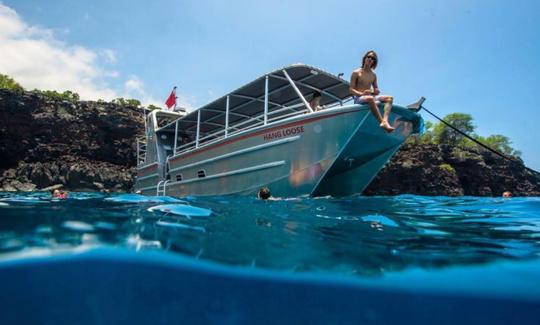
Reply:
x=335 y=151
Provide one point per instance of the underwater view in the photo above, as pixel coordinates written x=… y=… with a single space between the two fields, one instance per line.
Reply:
x=362 y=236
x=125 y=258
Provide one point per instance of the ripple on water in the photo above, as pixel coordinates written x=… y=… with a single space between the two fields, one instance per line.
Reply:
x=78 y=226
x=137 y=198
x=380 y=219
x=181 y=210
x=360 y=235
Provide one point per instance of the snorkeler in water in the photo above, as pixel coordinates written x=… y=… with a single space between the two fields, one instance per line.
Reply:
x=264 y=193
x=57 y=194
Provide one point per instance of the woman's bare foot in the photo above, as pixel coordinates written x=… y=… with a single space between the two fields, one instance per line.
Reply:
x=386 y=126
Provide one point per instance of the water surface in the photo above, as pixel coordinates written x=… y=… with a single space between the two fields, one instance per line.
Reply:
x=362 y=236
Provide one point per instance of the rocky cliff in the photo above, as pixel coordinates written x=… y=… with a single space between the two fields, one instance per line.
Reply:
x=81 y=145
x=428 y=169
x=46 y=141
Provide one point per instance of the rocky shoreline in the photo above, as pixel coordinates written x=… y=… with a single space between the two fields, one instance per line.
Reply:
x=91 y=146
x=79 y=145
x=428 y=169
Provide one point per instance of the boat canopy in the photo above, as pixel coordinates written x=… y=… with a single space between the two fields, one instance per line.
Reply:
x=273 y=96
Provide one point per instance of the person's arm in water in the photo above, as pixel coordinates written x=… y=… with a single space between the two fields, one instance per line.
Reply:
x=376 y=90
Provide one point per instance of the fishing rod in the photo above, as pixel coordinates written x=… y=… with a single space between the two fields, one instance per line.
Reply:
x=416 y=107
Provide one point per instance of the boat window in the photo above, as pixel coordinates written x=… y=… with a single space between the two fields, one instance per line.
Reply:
x=178 y=177
x=201 y=173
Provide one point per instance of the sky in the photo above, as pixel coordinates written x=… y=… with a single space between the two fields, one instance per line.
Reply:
x=470 y=56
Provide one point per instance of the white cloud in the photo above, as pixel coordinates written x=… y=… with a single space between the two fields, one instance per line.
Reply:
x=109 y=55
x=36 y=59
x=134 y=88
x=134 y=84
x=185 y=101
x=10 y=25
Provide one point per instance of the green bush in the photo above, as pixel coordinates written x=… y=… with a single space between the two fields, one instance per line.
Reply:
x=126 y=102
x=448 y=168
x=54 y=95
x=445 y=135
x=500 y=143
x=440 y=133
x=8 y=83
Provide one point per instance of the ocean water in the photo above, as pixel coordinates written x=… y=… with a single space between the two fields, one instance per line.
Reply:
x=366 y=236
x=485 y=248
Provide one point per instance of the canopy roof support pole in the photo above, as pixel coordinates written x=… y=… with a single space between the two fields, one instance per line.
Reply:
x=154 y=120
x=227 y=117
x=175 y=136
x=322 y=90
x=198 y=128
x=254 y=98
x=266 y=100
x=297 y=90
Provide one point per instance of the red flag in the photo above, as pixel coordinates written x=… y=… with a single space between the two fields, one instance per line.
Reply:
x=171 y=101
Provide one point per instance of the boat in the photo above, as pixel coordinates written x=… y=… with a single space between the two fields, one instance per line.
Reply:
x=266 y=134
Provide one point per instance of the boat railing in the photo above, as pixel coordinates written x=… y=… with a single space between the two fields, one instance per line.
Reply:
x=217 y=136
x=141 y=151
x=234 y=129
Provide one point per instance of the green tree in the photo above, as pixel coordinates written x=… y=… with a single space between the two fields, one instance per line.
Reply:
x=426 y=137
x=69 y=95
x=66 y=95
x=500 y=143
x=119 y=101
x=429 y=135
x=153 y=107
x=8 y=83
x=446 y=135
x=442 y=134
x=126 y=102
x=134 y=102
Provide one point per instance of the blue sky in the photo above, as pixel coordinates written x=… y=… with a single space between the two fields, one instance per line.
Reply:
x=476 y=57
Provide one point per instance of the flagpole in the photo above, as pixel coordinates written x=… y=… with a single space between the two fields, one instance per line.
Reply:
x=174 y=108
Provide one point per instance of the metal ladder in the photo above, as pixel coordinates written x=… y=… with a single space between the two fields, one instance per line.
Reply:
x=163 y=189
x=141 y=152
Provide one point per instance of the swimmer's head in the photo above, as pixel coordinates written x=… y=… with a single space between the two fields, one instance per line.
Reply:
x=264 y=193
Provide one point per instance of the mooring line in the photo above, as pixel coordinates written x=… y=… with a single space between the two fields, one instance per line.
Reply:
x=476 y=141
